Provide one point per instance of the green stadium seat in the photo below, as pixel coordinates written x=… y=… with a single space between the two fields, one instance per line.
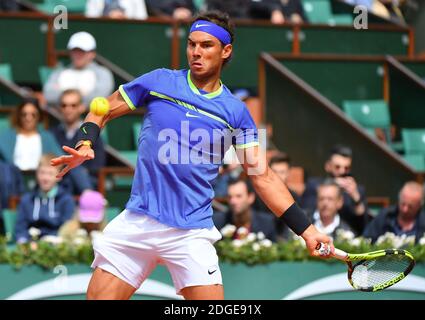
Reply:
x=104 y=135
x=6 y=71
x=199 y=4
x=73 y=6
x=111 y=213
x=417 y=161
x=413 y=141
x=318 y=11
x=9 y=218
x=341 y=19
x=44 y=73
x=136 y=131
x=370 y=114
x=4 y=124
x=130 y=155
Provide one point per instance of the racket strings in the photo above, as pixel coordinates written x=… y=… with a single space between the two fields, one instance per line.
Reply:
x=378 y=271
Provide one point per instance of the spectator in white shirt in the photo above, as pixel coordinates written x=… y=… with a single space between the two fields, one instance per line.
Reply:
x=117 y=9
x=84 y=74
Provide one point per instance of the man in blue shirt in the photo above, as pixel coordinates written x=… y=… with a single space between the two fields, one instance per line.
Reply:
x=190 y=122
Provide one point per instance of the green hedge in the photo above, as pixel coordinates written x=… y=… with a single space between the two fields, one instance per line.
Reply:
x=252 y=249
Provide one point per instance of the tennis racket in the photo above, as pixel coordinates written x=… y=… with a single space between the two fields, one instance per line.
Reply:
x=374 y=271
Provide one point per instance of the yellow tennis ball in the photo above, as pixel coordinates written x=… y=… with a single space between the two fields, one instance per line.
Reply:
x=99 y=106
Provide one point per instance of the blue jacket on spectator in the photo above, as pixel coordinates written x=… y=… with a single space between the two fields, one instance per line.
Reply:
x=46 y=212
x=11 y=183
x=386 y=221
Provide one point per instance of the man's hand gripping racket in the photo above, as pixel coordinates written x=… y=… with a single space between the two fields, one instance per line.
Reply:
x=373 y=271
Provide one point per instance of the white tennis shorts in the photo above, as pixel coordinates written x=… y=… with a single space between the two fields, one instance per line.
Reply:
x=132 y=245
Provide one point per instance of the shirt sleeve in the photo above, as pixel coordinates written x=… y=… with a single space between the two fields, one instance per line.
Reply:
x=137 y=91
x=246 y=133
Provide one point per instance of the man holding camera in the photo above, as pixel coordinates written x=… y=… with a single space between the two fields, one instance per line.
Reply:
x=338 y=167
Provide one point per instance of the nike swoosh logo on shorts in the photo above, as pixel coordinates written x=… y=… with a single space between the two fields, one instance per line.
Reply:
x=189 y=115
x=211 y=272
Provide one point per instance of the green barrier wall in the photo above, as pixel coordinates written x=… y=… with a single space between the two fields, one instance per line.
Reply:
x=341 y=80
x=8 y=98
x=135 y=47
x=23 y=45
x=407 y=98
x=120 y=131
x=416 y=67
x=306 y=131
x=273 y=281
x=353 y=42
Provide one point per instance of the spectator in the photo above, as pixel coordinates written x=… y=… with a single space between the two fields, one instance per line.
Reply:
x=117 y=9
x=45 y=208
x=177 y=9
x=280 y=164
x=9 y=6
x=25 y=142
x=241 y=214
x=277 y=11
x=329 y=200
x=90 y=216
x=405 y=218
x=389 y=9
x=238 y=9
x=72 y=108
x=288 y=11
x=338 y=166
x=11 y=184
x=84 y=74
x=366 y=3
x=230 y=170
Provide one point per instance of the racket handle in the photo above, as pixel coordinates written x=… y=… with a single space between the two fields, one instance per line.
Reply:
x=324 y=250
x=341 y=255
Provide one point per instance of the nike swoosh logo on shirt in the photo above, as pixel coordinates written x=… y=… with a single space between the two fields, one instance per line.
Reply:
x=189 y=115
x=211 y=272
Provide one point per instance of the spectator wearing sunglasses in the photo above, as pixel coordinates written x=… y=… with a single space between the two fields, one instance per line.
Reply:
x=338 y=167
x=25 y=142
x=72 y=108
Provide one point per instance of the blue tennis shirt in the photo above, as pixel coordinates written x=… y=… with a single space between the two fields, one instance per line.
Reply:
x=181 y=145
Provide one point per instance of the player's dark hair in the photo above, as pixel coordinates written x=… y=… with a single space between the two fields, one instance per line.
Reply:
x=281 y=157
x=341 y=150
x=245 y=181
x=221 y=19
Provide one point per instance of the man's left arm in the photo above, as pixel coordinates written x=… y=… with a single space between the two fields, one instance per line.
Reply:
x=277 y=197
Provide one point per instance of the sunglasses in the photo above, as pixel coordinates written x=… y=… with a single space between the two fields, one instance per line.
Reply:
x=32 y=114
x=74 y=105
x=337 y=167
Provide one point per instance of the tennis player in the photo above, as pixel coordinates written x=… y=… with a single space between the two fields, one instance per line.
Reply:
x=168 y=218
